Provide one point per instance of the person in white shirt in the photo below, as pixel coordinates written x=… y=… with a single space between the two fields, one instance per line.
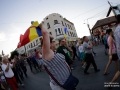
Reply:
x=6 y=67
x=2 y=76
x=81 y=52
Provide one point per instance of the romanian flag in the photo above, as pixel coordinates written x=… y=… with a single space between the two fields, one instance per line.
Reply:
x=31 y=33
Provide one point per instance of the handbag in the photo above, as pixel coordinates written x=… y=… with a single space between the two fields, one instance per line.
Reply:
x=70 y=83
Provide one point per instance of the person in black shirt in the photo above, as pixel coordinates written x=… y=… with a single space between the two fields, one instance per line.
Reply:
x=74 y=52
x=15 y=71
x=63 y=49
x=22 y=64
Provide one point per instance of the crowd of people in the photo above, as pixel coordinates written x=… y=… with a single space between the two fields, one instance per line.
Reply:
x=13 y=71
x=58 y=62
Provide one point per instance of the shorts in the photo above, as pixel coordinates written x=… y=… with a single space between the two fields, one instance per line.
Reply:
x=114 y=57
x=81 y=55
x=106 y=46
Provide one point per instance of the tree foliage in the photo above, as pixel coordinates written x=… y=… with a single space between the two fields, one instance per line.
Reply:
x=13 y=53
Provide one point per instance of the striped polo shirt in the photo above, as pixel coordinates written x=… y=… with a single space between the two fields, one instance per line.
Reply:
x=58 y=67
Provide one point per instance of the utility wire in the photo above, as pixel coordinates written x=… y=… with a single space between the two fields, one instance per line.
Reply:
x=88 y=11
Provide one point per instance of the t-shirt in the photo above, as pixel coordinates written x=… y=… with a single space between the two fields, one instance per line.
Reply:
x=85 y=47
x=105 y=39
x=22 y=62
x=74 y=49
x=8 y=74
x=33 y=58
x=117 y=39
x=81 y=49
x=63 y=50
x=2 y=75
x=37 y=55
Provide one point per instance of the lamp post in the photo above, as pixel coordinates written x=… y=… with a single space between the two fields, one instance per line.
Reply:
x=88 y=28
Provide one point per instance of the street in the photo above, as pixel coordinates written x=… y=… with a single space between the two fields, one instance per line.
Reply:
x=93 y=81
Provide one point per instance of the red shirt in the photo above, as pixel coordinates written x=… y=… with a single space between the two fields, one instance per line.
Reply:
x=37 y=55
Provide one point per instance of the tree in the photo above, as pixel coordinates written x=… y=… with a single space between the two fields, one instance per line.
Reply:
x=13 y=53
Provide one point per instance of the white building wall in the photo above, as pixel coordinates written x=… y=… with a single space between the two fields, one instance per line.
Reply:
x=54 y=27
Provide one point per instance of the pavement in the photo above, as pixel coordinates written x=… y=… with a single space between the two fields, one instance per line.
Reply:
x=93 y=81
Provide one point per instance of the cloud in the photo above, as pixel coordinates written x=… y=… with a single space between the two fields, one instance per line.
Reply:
x=2 y=36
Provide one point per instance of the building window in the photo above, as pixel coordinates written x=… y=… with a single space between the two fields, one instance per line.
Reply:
x=68 y=33
x=31 y=45
x=70 y=27
x=71 y=34
x=50 y=33
x=37 y=41
x=59 y=31
x=62 y=23
x=56 y=31
x=74 y=34
x=48 y=25
x=60 y=16
x=65 y=24
x=55 y=21
x=34 y=43
x=47 y=18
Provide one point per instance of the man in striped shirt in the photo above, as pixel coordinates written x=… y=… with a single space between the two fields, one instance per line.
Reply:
x=55 y=63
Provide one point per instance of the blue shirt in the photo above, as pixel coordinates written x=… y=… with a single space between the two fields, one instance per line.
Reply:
x=105 y=39
x=33 y=58
x=117 y=39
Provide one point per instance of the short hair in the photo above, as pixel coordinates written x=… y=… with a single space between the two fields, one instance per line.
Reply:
x=4 y=57
x=84 y=38
x=108 y=31
x=60 y=40
x=51 y=38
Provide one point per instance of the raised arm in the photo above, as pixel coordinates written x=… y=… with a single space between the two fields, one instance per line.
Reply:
x=46 y=51
x=7 y=68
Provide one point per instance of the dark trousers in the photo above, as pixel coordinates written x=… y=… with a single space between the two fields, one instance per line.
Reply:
x=75 y=54
x=35 y=64
x=17 y=78
x=90 y=60
x=30 y=65
x=24 y=70
x=20 y=73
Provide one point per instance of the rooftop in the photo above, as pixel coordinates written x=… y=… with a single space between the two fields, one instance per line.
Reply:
x=104 y=21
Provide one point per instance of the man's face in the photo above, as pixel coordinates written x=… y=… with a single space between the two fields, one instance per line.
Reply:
x=6 y=60
x=63 y=42
x=86 y=39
